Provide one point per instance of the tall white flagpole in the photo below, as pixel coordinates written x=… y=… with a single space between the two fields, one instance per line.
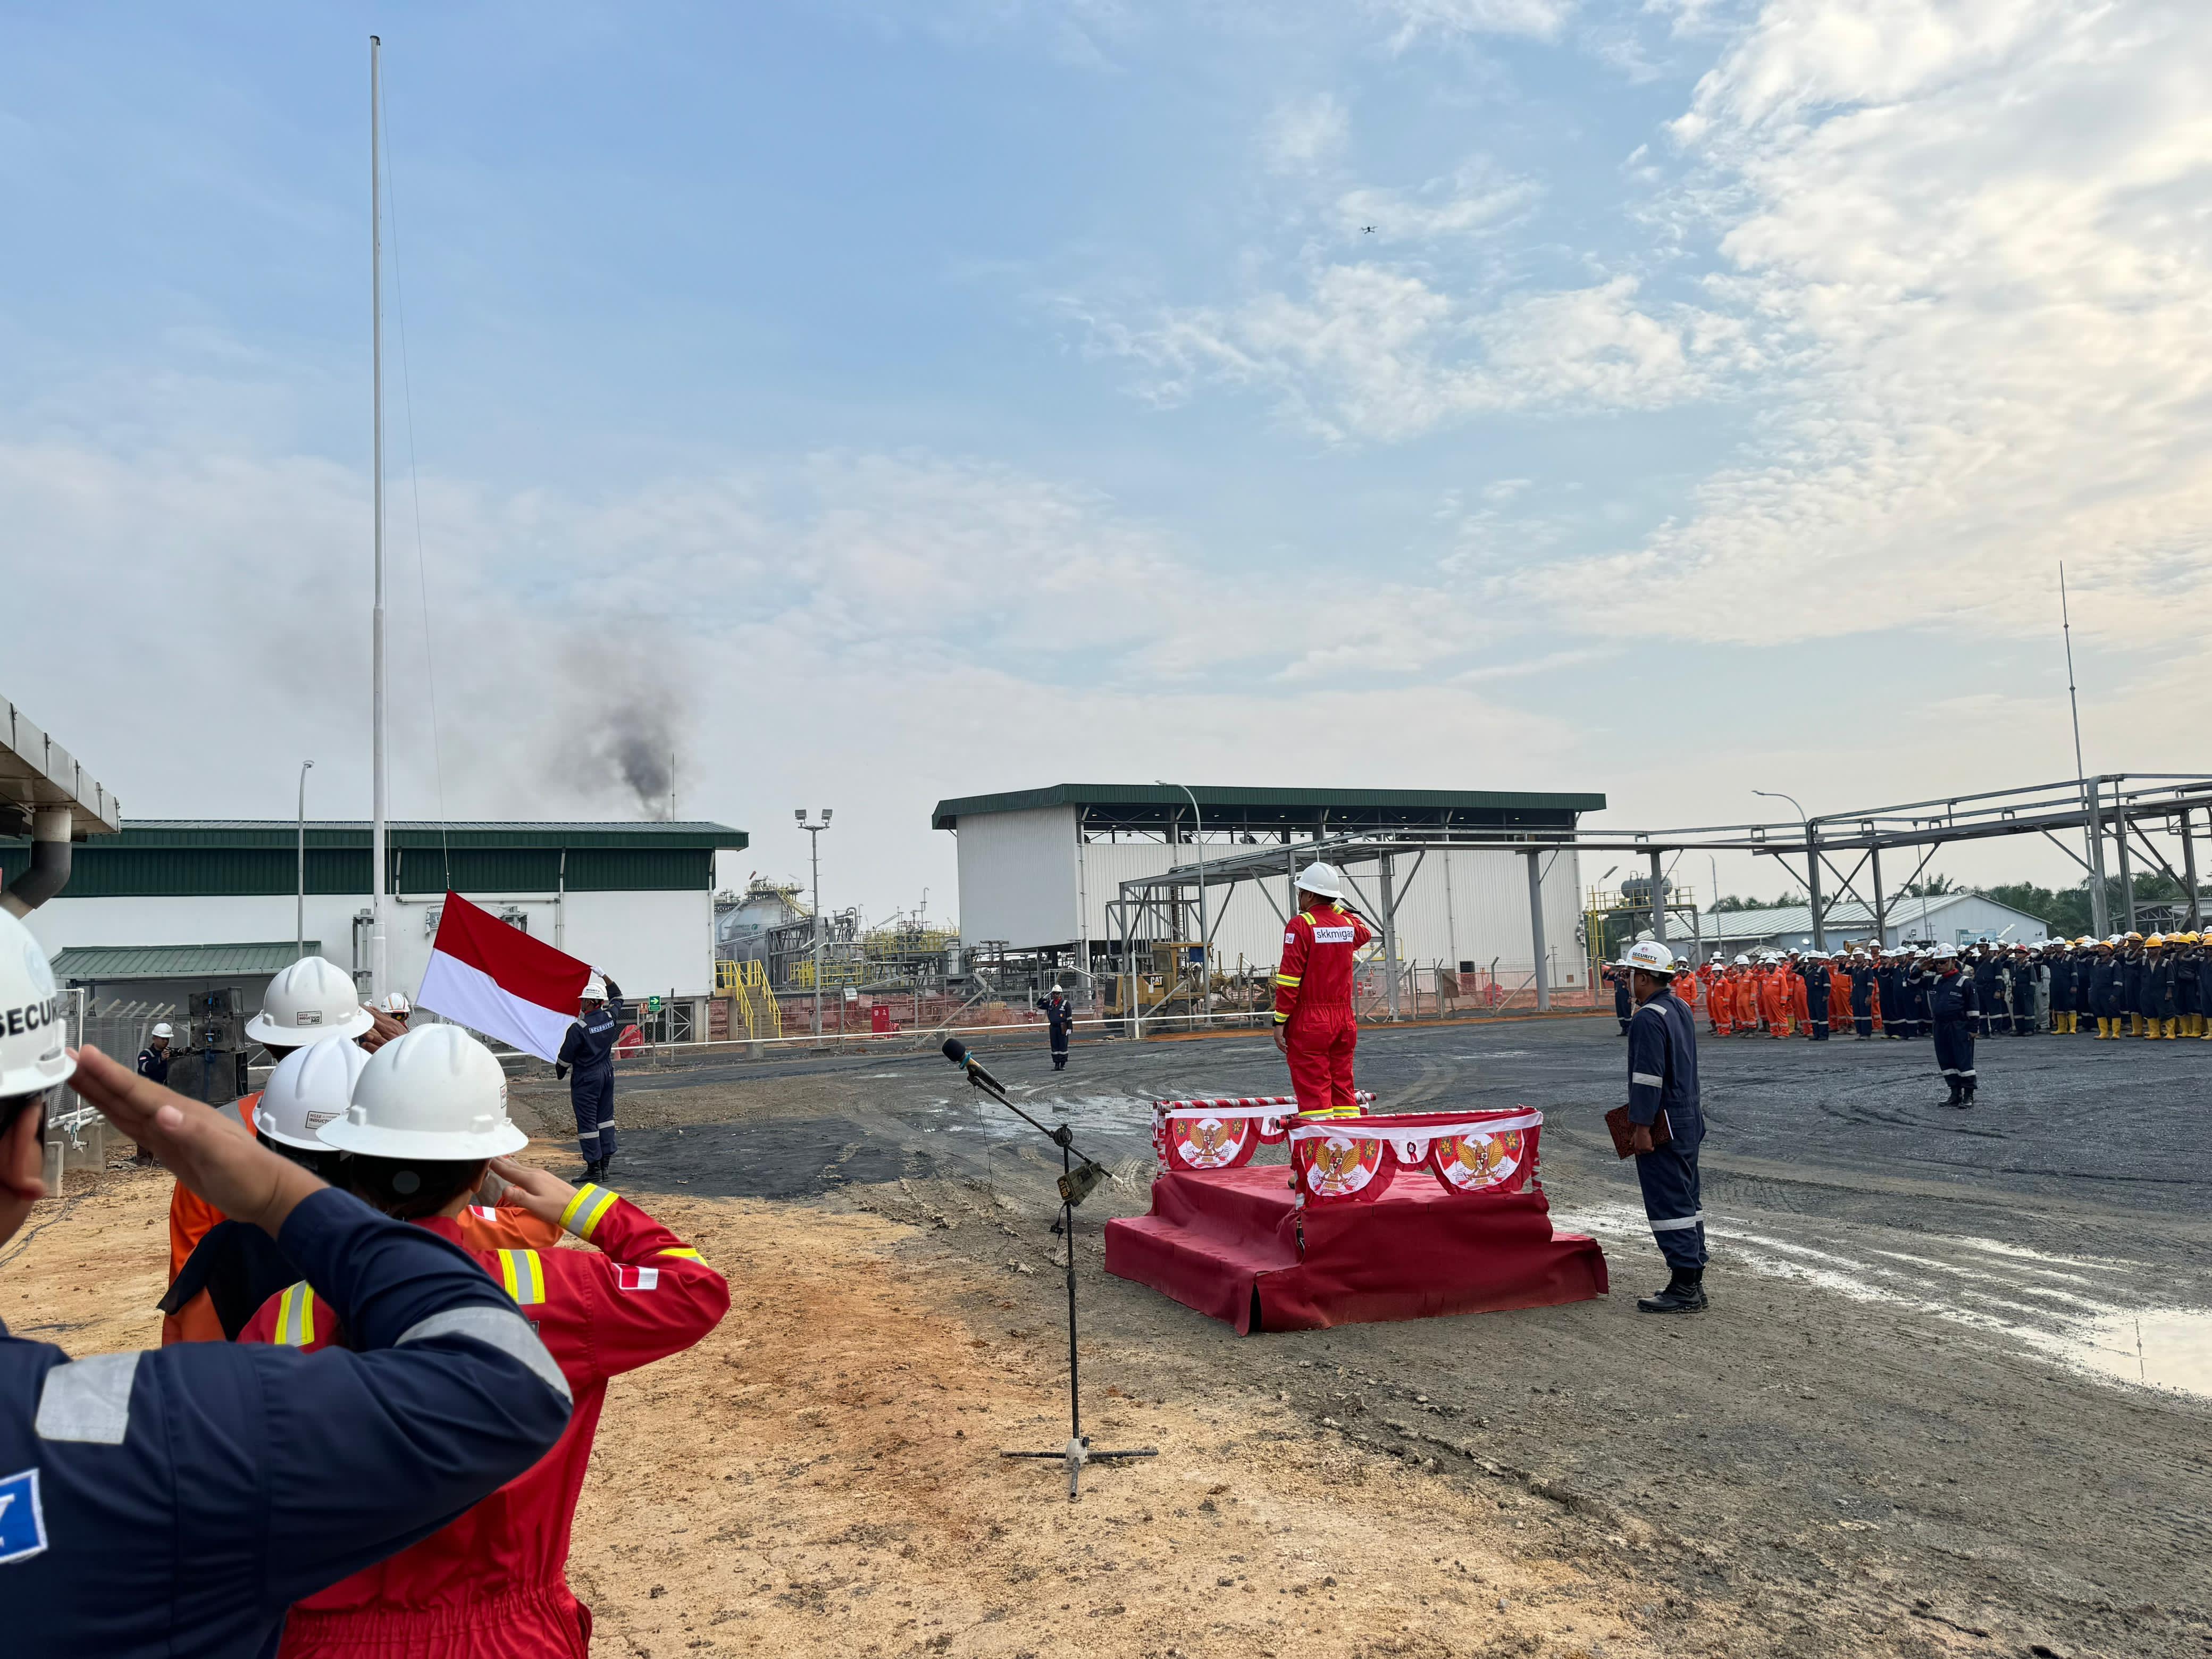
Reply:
x=379 y=956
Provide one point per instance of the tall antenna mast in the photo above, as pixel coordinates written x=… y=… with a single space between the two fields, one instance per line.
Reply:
x=2092 y=832
x=380 y=950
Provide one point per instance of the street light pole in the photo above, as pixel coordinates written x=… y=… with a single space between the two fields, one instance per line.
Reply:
x=300 y=912
x=1812 y=864
x=1204 y=932
x=814 y=846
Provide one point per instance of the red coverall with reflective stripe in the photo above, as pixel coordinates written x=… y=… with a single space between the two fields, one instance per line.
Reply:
x=1313 y=1001
x=491 y=1584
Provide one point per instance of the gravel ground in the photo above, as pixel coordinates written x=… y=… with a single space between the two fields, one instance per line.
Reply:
x=1925 y=1413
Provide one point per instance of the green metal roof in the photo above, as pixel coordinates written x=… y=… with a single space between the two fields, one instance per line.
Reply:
x=105 y=963
x=236 y=857
x=1143 y=803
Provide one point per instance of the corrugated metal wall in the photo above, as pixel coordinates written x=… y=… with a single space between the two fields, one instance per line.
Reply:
x=1018 y=878
x=104 y=870
x=1476 y=912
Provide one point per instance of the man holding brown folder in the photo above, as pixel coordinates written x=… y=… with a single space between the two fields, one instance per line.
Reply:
x=1662 y=1126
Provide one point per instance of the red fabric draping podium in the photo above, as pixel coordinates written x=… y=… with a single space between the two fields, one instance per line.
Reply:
x=1225 y=1242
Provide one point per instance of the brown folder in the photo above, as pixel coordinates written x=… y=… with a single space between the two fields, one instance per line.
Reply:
x=1617 y=1121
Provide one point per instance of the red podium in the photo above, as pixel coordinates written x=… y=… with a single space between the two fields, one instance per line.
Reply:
x=1404 y=1216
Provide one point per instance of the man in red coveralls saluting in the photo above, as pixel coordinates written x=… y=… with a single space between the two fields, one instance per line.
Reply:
x=1313 y=1026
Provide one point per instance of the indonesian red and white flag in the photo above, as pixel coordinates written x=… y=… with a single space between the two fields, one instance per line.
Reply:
x=497 y=980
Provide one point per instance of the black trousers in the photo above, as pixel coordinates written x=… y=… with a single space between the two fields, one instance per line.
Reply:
x=1954 y=1054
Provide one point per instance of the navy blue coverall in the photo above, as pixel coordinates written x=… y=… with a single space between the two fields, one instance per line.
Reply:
x=2104 y=987
x=177 y=1502
x=2022 y=990
x=589 y=1048
x=2129 y=980
x=1662 y=1076
x=1816 y=998
x=1892 y=1001
x=1863 y=1001
x=1955 y=1010
x=1059 y=1021
x=154 y=1066
x=1916 y=1001
x=2062 y=968
x=1985 y=990
x=1622 y=1007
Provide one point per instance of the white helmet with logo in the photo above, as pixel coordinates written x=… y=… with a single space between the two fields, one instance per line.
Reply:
x=162 y=1029
x=311 y=1001
x=1648 y=957
x=1320 y=878
x=595 y=989
x=435 y=1094
x=33 y=1050
x=310 y=1087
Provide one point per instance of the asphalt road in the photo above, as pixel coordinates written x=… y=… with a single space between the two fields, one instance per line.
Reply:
x=1957 y=1375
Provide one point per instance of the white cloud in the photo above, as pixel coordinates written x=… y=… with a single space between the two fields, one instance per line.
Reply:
x=1476 y=198
x=1305 y=135
x=1979 y=228
x=1369 y=352
x=1410 y=19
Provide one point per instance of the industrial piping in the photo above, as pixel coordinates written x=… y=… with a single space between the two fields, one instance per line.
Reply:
x=49 y=870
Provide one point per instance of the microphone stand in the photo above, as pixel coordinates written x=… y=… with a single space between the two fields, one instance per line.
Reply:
x=1076 y=1184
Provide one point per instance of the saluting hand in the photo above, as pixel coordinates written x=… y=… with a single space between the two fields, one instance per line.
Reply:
x=212 y=1153
x=541 y=1192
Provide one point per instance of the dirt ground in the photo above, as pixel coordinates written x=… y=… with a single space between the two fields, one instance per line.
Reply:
x=1877 y=1442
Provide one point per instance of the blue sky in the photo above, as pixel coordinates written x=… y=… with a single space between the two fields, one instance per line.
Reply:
x=889 y=403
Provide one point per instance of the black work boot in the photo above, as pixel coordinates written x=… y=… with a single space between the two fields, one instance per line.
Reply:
x=1685 y=1293
x=591 y=1172
x=1958 y=1097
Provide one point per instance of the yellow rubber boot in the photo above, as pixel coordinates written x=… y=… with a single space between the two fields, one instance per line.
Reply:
x=2150 y=1029
x=2172 y=1030
x=2104 y=1028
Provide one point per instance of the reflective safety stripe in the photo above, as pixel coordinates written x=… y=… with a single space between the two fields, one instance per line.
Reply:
x=1676 y=1224
x=88 y=1399
x=1288 y=979
x=295 y=1316
x=1282 y=1019
x=683 y=1252
x=588 y=1209
x=1647 y=1079
x=522 y=1275
x=495 y=1328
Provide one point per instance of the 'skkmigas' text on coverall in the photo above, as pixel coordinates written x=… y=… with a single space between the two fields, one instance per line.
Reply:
x=1313 y=1005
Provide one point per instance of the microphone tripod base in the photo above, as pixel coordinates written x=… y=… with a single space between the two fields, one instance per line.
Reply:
x=1077 y=1453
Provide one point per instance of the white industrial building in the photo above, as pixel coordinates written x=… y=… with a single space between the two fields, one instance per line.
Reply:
x=1042 y=870
x=1944 y=919
x=169 y=903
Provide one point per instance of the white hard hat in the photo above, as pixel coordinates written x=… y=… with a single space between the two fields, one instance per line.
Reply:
x=1648 y=957
x=162 y=1029
x=396 y=1004
x=1945 y=952
x=595 y=989
x=311 y=1001
x=310 y=1087
x=1322 y=879
x=435 y=1094
x=33 y=1047
x=1743 y=961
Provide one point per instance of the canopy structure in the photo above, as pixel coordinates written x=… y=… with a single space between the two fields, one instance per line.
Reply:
x=1836 y=855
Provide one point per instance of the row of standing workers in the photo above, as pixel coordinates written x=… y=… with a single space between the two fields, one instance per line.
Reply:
x=2155 y=986
x=370 y=1433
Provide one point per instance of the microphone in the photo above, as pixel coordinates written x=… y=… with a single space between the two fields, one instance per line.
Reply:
x=956 y=1051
